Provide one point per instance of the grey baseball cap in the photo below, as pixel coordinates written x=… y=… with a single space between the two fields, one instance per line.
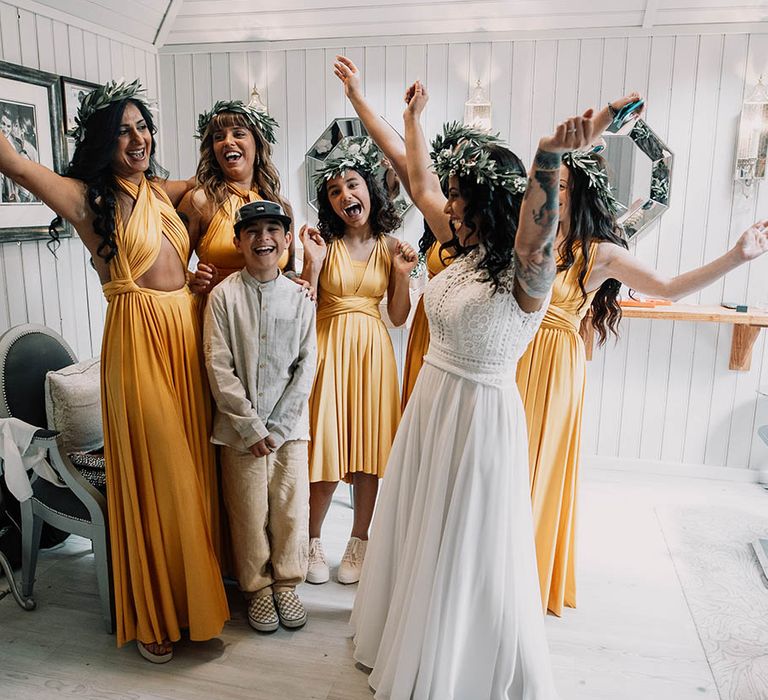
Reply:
x=261 y=209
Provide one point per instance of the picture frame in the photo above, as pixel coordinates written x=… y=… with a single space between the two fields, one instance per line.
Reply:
x=31 y=119
x=72 y=93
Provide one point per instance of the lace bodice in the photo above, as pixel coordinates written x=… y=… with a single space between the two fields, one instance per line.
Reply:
x=474 y=332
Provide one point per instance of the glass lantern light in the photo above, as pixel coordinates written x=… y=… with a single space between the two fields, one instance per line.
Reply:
x=255 y=101
x=753 y=139
x=477 y=109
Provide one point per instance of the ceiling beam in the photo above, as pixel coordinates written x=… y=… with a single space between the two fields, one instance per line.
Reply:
x=166 y=24
x=650 y=13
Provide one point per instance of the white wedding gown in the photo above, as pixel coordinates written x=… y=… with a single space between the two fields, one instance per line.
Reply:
x=448 y=606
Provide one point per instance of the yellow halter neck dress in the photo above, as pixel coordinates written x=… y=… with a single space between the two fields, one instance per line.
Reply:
x=216 y=246
x=161 y=480
x=418 y=338
x=354 y=407
x=551 y=376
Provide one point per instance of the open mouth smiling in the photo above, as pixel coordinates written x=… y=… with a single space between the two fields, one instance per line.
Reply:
x=353 y=210
x=138 y=154
x=232 y=156
x=264 y=249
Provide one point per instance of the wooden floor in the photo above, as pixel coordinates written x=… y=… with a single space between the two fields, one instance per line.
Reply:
x=632 y=637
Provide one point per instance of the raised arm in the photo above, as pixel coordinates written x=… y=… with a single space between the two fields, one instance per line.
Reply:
x=426 y=192
x=383 y=135
x=65 y=195
x=404 y=259
x=613 y=262
x=535 y=266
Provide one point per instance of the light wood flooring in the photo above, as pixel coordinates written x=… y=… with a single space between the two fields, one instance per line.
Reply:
x=632 y=637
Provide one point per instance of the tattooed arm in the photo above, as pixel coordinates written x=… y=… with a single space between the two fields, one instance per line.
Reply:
x=535 y=265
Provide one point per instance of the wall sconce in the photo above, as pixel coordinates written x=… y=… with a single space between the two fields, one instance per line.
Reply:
x=753 y=139
x=477 y=109
x=255 y=101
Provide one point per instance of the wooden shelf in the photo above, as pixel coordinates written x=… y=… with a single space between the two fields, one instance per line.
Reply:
x=746 y=326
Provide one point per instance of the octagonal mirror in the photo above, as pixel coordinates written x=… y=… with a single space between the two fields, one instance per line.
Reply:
x=335 y=138
x=640 y=171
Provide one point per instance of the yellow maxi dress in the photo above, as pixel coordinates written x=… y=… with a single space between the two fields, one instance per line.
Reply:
x=551 y=377
x=216 y=246
x=418 y=338
x=161 y=479
x=354 y=407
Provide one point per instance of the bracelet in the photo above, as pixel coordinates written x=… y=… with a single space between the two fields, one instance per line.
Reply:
x=612 y=110
x=291 y=274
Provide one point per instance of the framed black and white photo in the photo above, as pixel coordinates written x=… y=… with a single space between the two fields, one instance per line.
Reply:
x=30 y=118
x=72 y=93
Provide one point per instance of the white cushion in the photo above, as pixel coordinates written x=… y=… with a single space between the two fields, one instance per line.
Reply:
x=73 y=405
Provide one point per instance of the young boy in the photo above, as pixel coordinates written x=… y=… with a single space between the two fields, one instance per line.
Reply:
x=260 y=351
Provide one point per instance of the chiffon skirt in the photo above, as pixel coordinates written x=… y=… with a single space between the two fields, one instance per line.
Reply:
x=448 y=605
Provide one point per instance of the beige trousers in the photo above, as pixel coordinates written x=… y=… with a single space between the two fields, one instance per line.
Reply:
x=267 y=500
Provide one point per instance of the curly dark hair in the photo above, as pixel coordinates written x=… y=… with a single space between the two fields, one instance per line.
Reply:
x=492 y=214
x=92 y=163
x=591 y=220
x=384 y=218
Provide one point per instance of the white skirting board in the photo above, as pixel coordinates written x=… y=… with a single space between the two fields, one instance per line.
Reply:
x=699 y=471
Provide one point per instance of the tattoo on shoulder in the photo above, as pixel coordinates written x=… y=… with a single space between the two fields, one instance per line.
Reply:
x=545 y=160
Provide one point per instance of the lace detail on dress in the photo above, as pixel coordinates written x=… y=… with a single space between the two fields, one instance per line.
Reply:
x=474 y=332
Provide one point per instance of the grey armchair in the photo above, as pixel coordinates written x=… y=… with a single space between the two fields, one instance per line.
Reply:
x=27 y=353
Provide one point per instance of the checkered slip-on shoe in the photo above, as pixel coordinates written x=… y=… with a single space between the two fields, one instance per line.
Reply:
x=262 y=615
x=290 y=609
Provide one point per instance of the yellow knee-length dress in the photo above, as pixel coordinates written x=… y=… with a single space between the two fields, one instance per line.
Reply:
x=216 y=246
x=418 y=338
x=551 y=377
x=161 y=479
x=354 y=407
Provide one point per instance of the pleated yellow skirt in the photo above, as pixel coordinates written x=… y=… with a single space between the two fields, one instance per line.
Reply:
x=354 y=408
x=551 y=377
x=161 y=478
x=418 y=344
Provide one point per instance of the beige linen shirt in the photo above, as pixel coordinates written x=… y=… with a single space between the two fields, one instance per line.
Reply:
x=261 y=352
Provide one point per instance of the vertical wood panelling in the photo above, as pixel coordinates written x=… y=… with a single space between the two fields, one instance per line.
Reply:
x=61 y=291
x=663 y=392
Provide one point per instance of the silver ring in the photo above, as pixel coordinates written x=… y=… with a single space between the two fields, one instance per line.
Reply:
x=571 y=131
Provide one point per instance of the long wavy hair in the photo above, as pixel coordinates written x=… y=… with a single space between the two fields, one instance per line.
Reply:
x=383 y=217
x=92 y=164
x=492 y=214
x=591 y=220
x=209 y=176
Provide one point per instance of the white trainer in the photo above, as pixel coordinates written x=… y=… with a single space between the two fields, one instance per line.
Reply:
x=317 y=570
x=352 y=561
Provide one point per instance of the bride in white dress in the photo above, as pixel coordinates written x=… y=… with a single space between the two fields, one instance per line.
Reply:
x=448 y=606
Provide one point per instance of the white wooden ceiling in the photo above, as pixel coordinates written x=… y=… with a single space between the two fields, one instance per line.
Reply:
x=169 y=22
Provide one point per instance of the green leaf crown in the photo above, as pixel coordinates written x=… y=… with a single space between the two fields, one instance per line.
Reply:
x=462 y=150
x=353 y=153
x=102 y=97
x=597 y=178
x=258 y=119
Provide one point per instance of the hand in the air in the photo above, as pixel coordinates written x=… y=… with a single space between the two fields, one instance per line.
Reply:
x=753 y=242
x=573 y=134
x=349 y=74
x=314 y=246
x=416 y=98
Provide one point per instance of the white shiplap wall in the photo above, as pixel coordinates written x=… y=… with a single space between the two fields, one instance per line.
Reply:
x=664 y=392
x=61 y=292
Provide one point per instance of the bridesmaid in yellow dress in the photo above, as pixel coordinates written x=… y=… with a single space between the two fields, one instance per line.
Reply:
x=235 y=168
x=354 y=407
x=393 y=147
x=156 y=411
x=593 y=264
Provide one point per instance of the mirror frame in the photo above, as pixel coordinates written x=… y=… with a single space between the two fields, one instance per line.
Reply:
x=639 y=218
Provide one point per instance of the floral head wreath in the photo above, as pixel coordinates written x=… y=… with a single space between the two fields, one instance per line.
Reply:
x=597 y=179
x=258 y=119
x=102 y=97
x=353 y=153
x=463 y=151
